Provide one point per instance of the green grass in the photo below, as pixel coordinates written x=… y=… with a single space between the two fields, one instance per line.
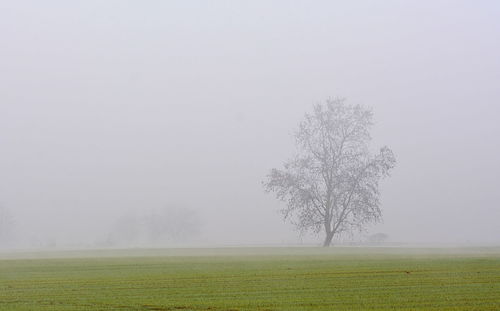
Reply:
x=253 y=279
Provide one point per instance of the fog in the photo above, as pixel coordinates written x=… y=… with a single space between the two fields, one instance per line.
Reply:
x=116 y=109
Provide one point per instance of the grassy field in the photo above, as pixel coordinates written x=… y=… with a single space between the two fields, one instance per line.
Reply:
x=253 y=279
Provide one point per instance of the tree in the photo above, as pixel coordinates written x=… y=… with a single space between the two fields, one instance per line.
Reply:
x=332 y=183
x=170 y=224
x=174 y=224
x=6 y=222
x=377 y=238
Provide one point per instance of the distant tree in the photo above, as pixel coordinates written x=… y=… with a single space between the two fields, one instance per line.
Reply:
x=378 y=238
x=172 y=224
x=166 y=225
x=332 y=183
x=6 y=222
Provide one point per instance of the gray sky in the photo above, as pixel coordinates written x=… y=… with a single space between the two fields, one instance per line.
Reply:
x=115 y=107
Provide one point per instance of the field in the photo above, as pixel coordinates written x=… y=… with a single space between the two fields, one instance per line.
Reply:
x=253 y=279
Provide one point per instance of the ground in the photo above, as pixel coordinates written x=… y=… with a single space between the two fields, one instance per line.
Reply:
x=253 y=279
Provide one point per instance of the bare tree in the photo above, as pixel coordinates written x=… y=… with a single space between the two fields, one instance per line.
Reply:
x=170 y=224
x=332 y=183
x=6 y=222
x=174 y=224
x=377 y=238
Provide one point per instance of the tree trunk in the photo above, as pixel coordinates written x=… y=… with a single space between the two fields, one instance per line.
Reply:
x=328 y=239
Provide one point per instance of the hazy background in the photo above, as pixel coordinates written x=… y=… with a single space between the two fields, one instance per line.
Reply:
x=117 y=108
